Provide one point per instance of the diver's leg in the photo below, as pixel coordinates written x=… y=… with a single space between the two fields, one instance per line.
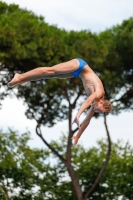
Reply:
x=45 y=72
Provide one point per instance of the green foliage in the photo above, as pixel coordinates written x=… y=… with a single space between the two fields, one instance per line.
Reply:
x=25 y=173
x=117 y=179
x=35 y=174
x=26 y=41
x=116 y=66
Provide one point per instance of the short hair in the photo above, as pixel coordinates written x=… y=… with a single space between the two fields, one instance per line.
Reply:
x=107 y=106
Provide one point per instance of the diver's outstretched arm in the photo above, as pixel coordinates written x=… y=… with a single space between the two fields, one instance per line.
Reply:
x=83 y=125
x=83 y=107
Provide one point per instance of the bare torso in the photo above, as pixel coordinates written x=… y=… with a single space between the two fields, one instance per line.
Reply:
x=91 y=81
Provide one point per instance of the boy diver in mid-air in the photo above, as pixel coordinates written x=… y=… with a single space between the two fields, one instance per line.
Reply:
x=73 y=68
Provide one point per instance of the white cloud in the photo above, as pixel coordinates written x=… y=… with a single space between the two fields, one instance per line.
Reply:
x=76 y=14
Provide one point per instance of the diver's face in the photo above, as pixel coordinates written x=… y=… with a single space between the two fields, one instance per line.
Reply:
x=98 y=106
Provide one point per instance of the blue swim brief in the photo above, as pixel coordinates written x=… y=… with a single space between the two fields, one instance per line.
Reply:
x=81 y=66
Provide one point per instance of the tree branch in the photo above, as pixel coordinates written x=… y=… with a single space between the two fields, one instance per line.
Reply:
x=128 y=93
x=79 y=94
x=4 y=193
x=66 y=95
x=104 y=164
x=2 y=66
x=49 y=146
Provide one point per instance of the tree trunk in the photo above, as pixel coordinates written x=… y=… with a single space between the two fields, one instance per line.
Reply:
x=104 y=164
x=72 y=173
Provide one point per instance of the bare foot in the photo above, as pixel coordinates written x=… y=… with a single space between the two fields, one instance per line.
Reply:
x=15 y=81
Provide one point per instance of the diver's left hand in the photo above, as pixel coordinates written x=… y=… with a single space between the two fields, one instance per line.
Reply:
x=76 y=120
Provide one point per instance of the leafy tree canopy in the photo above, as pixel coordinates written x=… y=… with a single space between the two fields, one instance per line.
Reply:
x=27 y=172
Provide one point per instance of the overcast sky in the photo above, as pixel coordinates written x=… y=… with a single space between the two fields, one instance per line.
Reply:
x=94 y=15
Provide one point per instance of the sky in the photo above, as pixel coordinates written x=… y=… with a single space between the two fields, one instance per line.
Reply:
x=93 y=15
